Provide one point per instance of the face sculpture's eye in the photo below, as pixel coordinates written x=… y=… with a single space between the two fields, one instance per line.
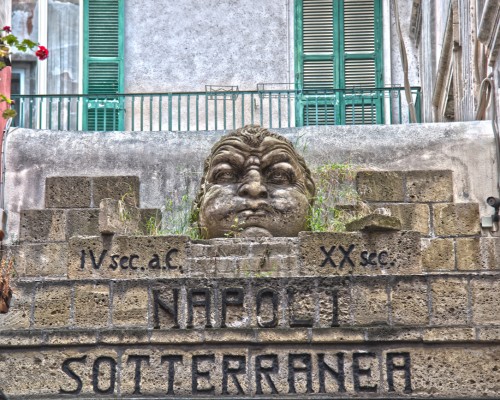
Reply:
x=224 y=175
x=281 y=175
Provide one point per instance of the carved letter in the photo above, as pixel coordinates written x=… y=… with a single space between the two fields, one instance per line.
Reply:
x=357 y=371
x=230 y=297
x=112 y=375
x=172 y=310
x=406 y=368
x=328 y=256
x=68 y=371
x=114 y=264
x=346 y=254
x=98 y=264
x=168 y=258
x=292 y=369
x=171 y=360
x=227 y=370
x=383 y=256
x=338 y=375
x=132 y=258
x=196 y=373
x=123 y=262
x=137 y=376
x=274 y=300
x=266 y=371
x=154 y=263
x=82 y=259
x=205 y=302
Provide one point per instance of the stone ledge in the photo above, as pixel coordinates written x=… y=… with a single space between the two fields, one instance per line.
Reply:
x=252 y=336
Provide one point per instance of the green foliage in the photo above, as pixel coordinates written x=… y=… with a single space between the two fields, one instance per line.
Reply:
x=9 y=113
x=8 y=42
x=337 y=202
x=234 y=230
x=176 y=219
x=12 y=41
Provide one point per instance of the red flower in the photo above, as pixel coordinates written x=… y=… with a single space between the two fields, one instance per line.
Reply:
x=7 y=29
x=42 y=53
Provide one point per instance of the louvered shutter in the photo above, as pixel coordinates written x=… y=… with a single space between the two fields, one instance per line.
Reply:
x=103 y=55
x=338 y=46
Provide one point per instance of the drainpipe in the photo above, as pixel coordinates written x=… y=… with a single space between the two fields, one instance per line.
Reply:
x=488 y=19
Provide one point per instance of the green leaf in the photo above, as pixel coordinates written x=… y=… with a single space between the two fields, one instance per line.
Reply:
x=4 y=98
x=9 y=113
x=28 y=43
x=2 y=65
x=11 y=40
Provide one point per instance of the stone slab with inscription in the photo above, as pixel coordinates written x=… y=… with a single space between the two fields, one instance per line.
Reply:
x=298 y=371
x=404 y=314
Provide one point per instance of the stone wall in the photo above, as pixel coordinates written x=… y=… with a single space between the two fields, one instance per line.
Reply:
x=169 y=164
x=97 y=311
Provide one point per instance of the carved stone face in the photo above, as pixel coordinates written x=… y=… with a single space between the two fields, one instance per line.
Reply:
x=255 y=187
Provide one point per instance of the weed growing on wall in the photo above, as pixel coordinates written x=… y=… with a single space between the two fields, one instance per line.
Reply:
x=337 y=202
x=176 y=219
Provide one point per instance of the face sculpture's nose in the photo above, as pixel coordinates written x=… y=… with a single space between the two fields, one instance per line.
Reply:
x=253 y=186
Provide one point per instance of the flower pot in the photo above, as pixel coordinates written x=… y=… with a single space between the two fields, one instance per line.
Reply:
x=5 y=301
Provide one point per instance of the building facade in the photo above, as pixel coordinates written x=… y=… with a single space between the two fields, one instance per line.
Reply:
x=307 y=62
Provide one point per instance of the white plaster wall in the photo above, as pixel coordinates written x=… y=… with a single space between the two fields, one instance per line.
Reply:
x=405 y=7
x=5 y=12
x=185 y=45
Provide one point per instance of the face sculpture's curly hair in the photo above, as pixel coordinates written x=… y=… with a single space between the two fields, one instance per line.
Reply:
x=252 y=135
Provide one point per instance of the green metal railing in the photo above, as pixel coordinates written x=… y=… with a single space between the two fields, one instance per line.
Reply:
x=197 y=111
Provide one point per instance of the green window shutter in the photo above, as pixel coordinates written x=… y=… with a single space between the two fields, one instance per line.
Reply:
x=317 y=44
x=338 y=45
x=103 y=63
x=360 y=50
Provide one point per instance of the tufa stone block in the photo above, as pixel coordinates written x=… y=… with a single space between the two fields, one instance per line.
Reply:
x=370 y=302
x=118 y=217
x=413 y=217
x=485 y=301
x=18 y=316
x=374 y=223
x=438 y=254
x=43 y=226
x=130 y=305
x=82 y=222
x=91 y=306
x=456 y=219
x=449 y=301
x=373 y=253
x=409 y=302
x=52 y=306
x=380 y=185
x=469 y=254
x=67 y=192
x=42 y=259
x=127 y=257
x=429 y=186
x=124 y=188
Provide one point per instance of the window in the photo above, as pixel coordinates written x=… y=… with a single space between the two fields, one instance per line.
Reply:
x=103 y=64
x=338 y=60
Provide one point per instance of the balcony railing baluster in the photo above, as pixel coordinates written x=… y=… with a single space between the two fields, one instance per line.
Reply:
x=274 y=108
